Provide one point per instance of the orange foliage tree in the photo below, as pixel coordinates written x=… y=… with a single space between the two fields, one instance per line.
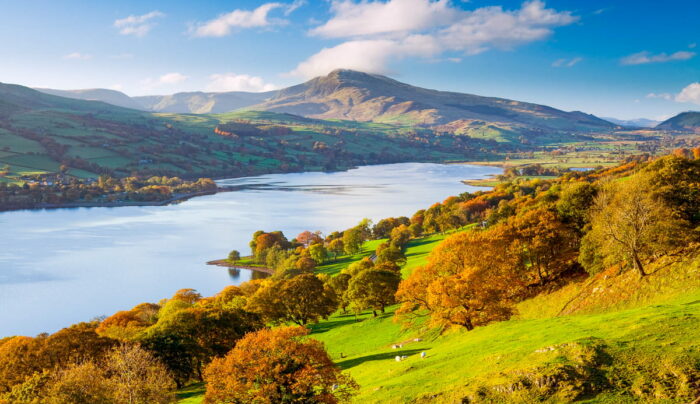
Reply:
x=469 y=281
x=276 y=366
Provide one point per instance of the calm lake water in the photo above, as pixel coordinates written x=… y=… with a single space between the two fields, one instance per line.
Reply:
x=59 y=267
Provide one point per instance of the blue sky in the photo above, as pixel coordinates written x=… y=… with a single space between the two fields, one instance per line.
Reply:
x=624 y=59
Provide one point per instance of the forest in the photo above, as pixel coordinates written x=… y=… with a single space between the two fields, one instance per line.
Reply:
x=500 y=249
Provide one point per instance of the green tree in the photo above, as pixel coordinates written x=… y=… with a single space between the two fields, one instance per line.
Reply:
x=318 y=252
x=234 y=256
x=301 y=299
x=337 y=247
x=373 y=289
x=352 y=240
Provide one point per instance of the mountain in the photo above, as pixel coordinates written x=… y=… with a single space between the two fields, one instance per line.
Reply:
x=42 y=133
x=634 y=123
x=97 y=94
x=352 y=95
x=685 y=121
x=201 y=102
x=356 y=96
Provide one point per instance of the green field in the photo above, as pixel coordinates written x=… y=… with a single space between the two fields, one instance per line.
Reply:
x=653 y=333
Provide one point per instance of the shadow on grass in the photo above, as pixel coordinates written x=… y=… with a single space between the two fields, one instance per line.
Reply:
x=331 y=324
x=192 y=390
x=347 y=364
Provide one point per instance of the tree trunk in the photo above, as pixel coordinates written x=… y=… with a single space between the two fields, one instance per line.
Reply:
x=638 y=265
x=374 y=313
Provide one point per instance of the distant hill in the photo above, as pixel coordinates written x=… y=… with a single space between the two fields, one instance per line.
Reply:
x=201 y=102
x=42 y=133
x=357 y=96
x=97 y=94
x=352 y=95
x=685 y=121
x=633 y=123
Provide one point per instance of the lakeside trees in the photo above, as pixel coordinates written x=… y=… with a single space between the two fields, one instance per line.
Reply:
x=58 y=190
x=529 y=239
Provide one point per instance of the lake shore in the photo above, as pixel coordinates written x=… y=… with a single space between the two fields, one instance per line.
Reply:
x=226 y=264
x=176 y=198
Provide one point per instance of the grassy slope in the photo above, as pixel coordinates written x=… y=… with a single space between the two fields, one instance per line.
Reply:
x=657 y=320
x=125 y=141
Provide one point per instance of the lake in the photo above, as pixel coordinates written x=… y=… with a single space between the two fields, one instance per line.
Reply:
x=62 y=266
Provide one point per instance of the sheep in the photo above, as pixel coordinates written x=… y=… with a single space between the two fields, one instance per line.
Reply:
x=422 y=355
x=398 y=358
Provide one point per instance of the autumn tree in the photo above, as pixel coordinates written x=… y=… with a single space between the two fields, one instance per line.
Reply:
x=301 y=300
x=339 y=285
x=187 y=339
x=391 y=253
x=631 y=224
x=337 y=247
x=277 y=366
x=136 y=376
x=352 y=240
x=307 y=238
x=400 y=235
x=82 y=383
x=468 y=282
x=373 y=289
x=318 y=252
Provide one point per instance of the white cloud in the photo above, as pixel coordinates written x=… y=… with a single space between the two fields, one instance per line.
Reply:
x=224 y=24
x=690 y=93
x=663 y=96
x=566 y=62
x=77 y=56
x=238 y=82
x=137 y=25
x=380 y=32
x=371 y=55
x=489 y=27
x=292 y=7
x=646 y=57
x=167 y=79
x=116 y=87
x=352 y=19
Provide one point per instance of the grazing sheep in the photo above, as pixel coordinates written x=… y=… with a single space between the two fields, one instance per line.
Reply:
x=398 y=358
x=404 y=357
x=422 y=354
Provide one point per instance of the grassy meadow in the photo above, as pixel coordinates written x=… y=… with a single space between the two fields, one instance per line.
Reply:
x=655 y=328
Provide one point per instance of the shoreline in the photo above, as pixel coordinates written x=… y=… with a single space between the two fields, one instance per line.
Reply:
x=226 y=264
x=117 y=204
x=183 y=197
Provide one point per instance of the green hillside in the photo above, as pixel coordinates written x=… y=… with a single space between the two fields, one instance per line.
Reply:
x=40 y=133
x=685 y=121
x=644 y=343
x=588 y=326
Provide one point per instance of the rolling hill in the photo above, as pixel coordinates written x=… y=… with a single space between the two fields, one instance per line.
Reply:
x=201 y=102
x=42 y=133
x=685 y=121
x=113 y=97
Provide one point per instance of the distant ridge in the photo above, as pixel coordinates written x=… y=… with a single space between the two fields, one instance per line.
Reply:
x=97 y=94
x=634 y=123
x=352 y=95
x=685 y=121
x=202 y=102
